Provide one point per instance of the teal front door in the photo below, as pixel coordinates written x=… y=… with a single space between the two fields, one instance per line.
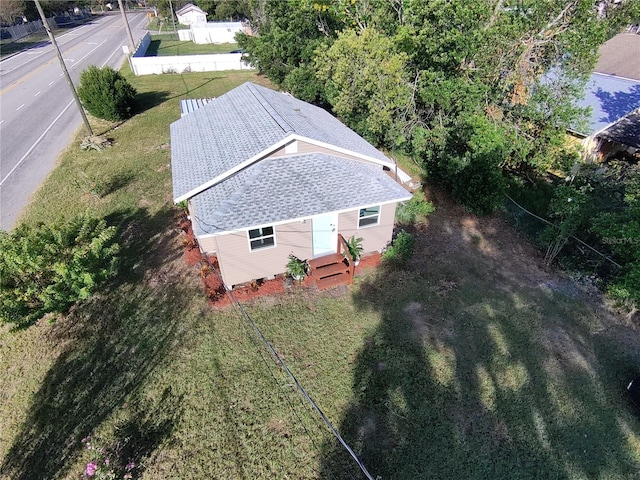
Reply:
x=325 y=234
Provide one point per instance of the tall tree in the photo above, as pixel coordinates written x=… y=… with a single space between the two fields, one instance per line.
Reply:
x=520 y=64
x=504 y=72
x=226 y=9
x=287 y=36
x=367 y=84
x=11 y=10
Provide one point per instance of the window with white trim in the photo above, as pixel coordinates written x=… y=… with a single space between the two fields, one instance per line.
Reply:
x=264 y=237
x=369 y=216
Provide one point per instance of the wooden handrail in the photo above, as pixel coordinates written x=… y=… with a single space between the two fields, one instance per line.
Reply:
x=344 y=250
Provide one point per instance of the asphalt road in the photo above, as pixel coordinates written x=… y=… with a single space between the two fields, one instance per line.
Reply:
x=38 y=117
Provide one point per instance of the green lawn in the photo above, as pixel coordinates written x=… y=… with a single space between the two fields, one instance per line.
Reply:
x=161 y=46
x=473 y=361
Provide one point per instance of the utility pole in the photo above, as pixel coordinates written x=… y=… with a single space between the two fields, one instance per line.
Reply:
x=173 y=18
x=64 y=68
x=132 y=45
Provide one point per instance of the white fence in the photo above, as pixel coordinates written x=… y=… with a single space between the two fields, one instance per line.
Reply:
x=142 y=65
x=212 y=32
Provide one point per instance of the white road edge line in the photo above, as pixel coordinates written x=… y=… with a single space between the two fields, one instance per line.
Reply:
x=36 y=143
x=142 y=21
x=19 y=107
x=89 y=53
x=114 y=52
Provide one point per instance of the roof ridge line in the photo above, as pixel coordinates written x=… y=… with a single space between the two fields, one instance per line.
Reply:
x=282 y=123
x=617 y=77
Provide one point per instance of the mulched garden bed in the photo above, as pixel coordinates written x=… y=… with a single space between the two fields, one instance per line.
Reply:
x=215 y=289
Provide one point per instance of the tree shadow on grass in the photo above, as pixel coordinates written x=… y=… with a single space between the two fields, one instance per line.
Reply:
x=143 y=102
x=111 y=343
x=473 y=373
x=148 y=100
x=150 y=422
x=188 y=89
x=17 y=46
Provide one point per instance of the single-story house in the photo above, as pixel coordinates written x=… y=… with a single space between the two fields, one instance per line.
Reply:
x=619 y=56
x=621 y=138
x=610 y=99
x=267 y=175
x=190 y=14
x=612 y=94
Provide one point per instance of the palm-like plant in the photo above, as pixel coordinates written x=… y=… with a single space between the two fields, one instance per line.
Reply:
x=354 y=245
x=297 y=268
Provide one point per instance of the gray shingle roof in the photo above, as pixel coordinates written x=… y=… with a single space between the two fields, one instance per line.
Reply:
x=625 y=131
x=192 y=104
x=609 y=98
x=284 y=188
x=188 y=7
x=244 y=122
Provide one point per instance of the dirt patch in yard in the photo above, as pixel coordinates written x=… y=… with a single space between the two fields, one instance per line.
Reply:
x=465 y=246
x=454 y=235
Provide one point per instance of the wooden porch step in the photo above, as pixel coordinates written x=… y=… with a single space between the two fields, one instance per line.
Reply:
x=330 y=270
x=319 y=262
x=333 y=281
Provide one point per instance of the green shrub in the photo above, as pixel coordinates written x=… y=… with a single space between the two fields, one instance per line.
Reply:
x=626 y=288
x=480 y=187
x=468 y=162
x=416 y=208
x=106 y=94
x=400 y=250
x=297 y=268
x=48 y=268
x=568 y=212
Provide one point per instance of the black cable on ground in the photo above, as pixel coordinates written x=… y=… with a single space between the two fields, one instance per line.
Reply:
x=300 y=388
x=280 y=388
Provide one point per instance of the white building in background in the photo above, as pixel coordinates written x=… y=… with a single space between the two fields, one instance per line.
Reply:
x=213 y=32
x=190 y=14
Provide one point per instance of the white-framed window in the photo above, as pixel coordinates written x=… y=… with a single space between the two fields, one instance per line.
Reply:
x=369 y=216
x=264 y=237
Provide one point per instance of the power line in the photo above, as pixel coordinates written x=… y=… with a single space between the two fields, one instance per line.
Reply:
x=284 y=395
x=606 y=257
x=300 y=388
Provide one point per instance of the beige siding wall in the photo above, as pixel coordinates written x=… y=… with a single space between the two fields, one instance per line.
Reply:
x=207 y=245
x=375 y=237
x=304 y=147
x=239 y=264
